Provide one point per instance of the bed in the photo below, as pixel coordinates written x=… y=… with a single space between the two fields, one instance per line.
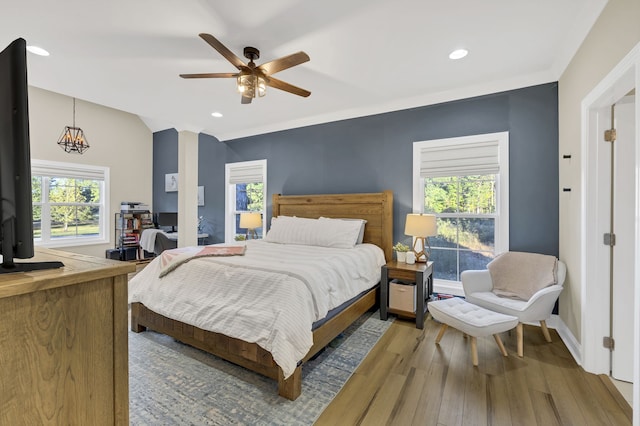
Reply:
x=375 y=208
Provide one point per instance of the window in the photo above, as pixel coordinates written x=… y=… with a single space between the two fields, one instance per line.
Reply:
x=464 y=182
x=69 y=203
x=246 y=184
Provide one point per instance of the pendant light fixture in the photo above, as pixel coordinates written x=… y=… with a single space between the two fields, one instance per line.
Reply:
x=72 y=138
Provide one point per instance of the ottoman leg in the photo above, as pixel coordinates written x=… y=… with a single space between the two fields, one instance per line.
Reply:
x=441 y=333
x=519 y=335
x=474 y=350
x=500 y=345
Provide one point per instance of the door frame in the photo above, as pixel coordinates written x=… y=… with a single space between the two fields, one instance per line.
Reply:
x=623 y=289
x=594 y=289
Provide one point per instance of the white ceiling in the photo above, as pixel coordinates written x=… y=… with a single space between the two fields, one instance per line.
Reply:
x=367 y=56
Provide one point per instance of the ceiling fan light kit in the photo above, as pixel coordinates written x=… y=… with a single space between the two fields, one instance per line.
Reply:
x=251 y=86
x=252 y=80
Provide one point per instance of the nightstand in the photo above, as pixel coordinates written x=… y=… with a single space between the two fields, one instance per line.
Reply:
x=420 y=274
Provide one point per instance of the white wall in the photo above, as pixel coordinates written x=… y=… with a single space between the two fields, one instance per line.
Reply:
x=118 y=140
x=615 y=33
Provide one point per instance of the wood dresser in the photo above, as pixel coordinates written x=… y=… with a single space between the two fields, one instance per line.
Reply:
x=64 y=342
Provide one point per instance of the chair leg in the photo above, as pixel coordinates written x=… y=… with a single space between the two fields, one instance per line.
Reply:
x=443 y=328
x=545 y=331
x=519 y=335
x=503 y=351
x=474 y=350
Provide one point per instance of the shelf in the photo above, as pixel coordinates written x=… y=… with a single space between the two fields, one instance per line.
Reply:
x=128 y=228
x=405 y=314
x=401 y=313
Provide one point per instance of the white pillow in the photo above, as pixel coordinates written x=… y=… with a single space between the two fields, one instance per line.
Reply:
x=361 y=221
x=314 y=232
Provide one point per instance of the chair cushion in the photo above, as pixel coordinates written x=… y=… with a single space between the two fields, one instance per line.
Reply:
x=469 y=318
x=490 y=300
x=537 y=309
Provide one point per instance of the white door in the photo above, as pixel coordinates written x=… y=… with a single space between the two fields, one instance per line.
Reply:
x=624 y=255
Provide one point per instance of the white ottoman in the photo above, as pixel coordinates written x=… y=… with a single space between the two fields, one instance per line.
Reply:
x=472 y=320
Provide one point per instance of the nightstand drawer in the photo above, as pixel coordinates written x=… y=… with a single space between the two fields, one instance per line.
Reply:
x=402 y=297
x=403 y=275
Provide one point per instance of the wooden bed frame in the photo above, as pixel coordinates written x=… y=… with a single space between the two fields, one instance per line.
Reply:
x=375 y=208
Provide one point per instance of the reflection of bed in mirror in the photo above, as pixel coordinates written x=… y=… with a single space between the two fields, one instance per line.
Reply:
x=270 y=265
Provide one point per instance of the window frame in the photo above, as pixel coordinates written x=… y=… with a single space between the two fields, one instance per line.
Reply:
x=48 y=169
x=230 y=194
x=501 y=243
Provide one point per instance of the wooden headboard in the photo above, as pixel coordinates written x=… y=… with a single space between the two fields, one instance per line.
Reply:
x=375 y=208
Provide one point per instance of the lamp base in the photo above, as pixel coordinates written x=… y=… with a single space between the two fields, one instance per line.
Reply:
x=422 y=256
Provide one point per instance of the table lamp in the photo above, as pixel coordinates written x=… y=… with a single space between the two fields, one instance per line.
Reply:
x=421 y=227
x=251 y=221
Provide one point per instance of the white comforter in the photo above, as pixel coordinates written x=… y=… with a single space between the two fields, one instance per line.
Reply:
x=270 y=296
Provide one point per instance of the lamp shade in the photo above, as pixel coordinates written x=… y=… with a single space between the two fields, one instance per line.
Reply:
x=420 y=225
x=250 y=220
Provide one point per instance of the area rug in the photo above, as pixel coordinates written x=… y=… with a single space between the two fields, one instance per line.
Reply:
x=172 y=383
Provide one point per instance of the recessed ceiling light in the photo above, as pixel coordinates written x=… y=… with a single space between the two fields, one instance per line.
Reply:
x=37 y=51
x=458 y=54
x=216 y=114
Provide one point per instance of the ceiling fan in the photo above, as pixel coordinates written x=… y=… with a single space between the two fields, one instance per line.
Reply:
x=253 y=80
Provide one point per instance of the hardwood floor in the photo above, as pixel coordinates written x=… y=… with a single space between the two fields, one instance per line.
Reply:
x=409 y=380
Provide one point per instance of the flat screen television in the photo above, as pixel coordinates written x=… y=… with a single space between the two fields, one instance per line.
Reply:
x=16 y=209
x=167 y=219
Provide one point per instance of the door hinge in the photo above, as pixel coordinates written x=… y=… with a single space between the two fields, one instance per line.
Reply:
x=610 y=135
x=608 y=343
x=609 y=239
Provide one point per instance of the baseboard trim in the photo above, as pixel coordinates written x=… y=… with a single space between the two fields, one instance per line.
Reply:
x=566 y=336
x=575 y=348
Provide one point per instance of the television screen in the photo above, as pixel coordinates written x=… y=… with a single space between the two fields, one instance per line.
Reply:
x=167 y=219
x=16 y=211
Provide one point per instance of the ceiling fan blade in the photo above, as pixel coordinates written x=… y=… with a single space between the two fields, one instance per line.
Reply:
x=283 y=63
x=245 y=100
x=279 y=84
x=211 y=75
x=222 y=49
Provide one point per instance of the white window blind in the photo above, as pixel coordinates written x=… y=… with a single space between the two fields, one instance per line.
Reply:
x=251 y=172
x=67 y=170
x=444 y=157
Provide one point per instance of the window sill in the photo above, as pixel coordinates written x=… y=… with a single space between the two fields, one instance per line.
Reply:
x=448 y=287
x=71 y=242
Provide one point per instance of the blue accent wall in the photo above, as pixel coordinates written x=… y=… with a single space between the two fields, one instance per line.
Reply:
x=165 y=160
x=374 y=153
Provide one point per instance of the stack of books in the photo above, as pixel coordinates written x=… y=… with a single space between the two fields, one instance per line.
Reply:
x=147 y=221
x=130 y=239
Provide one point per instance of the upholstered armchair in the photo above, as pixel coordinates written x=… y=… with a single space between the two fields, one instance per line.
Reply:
x=479 y=290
